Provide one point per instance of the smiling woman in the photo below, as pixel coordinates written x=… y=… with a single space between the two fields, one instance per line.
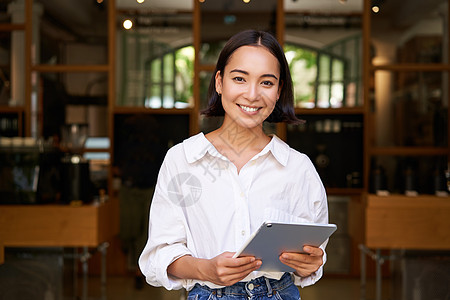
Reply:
x=238 y=173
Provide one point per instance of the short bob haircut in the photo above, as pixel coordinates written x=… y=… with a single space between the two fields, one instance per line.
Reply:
x=284 y=108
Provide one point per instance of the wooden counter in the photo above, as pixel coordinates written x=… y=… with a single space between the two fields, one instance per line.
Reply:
x=401 y=222
x=56 y=225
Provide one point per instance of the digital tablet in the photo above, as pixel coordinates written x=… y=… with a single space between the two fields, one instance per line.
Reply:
x=272 y=239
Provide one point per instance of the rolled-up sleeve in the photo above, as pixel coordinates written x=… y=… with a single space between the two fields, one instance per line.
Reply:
x=167 y=237
x=320 y=208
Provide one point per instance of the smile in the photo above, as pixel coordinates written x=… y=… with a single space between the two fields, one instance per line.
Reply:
x=249 y=109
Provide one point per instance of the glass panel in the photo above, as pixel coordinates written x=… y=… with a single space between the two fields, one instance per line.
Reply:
x=323 y=96
x=324 y=67
x=337 y=70
x=337 y=93
x=409 y=32
x=303 y=66
x=209 y=52
x=409 y=175
x=71 y=32
x=155 y=67
x=334 y=143
x=6 y=72
x=205 y=79
x=206 y=124
x=5 y=15
x=9 y=127
x=184 y=76
x=169 y=65
x=220 y=19
x=71 y=98
x=138 y=153
x=168 y=96
x=156 y=60
x=332 y=35
x=411 y=108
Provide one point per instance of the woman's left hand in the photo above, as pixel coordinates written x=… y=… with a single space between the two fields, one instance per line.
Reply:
x=304 y=263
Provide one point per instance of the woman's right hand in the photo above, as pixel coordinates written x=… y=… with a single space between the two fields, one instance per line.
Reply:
x=226 y=270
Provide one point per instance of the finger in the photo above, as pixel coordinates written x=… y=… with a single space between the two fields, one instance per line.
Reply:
x=301 y=269
x=314 y=251
x=288 y=256
x=247 y=268
x=239 y=273
x=301 y=259
x=239 y=261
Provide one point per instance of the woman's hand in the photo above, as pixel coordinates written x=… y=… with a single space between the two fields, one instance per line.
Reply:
x=304 y=263
x=226 y=270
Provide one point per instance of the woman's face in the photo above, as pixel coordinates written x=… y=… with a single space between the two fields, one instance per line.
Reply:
x=250 y=85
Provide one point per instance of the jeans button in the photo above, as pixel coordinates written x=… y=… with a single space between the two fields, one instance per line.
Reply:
x=251 y=286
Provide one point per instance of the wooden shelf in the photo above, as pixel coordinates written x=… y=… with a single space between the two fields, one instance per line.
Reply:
x=156 y=111
x=408 y=151
x=5 y=27
x=11 y=109
x=411 y=67
x=96 y=150
x=207 y=68
x=330 y=111
x=345 y=191
x=69 y=68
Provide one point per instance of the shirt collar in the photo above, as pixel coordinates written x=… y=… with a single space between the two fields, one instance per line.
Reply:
x=278 y=148
x=198 y=145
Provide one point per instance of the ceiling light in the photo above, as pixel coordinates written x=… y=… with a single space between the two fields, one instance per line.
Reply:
x=140 y=1
x=375 y=9
x=246 y=1
x=127 y=24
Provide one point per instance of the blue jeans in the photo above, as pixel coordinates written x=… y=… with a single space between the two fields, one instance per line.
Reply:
x=260 y=288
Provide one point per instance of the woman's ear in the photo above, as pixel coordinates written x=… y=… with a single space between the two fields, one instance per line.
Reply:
x=218 y=79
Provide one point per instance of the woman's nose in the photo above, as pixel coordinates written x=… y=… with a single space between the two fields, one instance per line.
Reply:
x=253 y=92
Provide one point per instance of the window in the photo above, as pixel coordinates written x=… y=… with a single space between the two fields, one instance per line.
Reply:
x=318 y=77
x=156 y=74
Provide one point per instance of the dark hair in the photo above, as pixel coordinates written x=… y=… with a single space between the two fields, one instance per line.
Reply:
x=284 y=108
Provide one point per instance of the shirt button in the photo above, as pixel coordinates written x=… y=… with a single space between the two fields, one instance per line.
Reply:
x=251 y=286
x=243 y=232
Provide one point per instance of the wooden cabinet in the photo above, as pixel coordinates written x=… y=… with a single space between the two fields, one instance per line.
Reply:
x=402 y=222
x=57 y=225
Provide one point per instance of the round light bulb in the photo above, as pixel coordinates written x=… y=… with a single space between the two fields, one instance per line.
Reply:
x=127 y=24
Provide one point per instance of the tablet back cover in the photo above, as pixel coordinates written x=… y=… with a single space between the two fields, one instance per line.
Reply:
x=272 y=239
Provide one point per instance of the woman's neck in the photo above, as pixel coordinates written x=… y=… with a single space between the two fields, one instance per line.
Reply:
x=239 y=144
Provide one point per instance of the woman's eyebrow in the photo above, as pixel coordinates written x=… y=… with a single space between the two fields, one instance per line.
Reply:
x=246 y=73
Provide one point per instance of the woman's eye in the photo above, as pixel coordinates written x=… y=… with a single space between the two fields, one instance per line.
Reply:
x=238 y=79
x=267 y=83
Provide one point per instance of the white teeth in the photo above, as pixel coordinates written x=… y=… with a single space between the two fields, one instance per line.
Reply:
x=249 y=109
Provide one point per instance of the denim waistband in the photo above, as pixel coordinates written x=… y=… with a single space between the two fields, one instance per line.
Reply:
x=257 y=286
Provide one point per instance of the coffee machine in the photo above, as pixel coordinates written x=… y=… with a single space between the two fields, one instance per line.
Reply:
x=75 y=174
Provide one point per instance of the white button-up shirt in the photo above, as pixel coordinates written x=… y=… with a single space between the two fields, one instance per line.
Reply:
x=203 y=207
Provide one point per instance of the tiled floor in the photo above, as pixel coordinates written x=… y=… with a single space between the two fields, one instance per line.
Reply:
x=121 y=288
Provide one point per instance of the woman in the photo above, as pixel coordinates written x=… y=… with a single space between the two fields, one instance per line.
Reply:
x=215 y=190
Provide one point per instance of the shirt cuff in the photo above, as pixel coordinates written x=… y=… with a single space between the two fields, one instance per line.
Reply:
x=161 y=262
x=314 y=277
x=310 y=280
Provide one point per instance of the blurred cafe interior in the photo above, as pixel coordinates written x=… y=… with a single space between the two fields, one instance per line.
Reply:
x=94 y=92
